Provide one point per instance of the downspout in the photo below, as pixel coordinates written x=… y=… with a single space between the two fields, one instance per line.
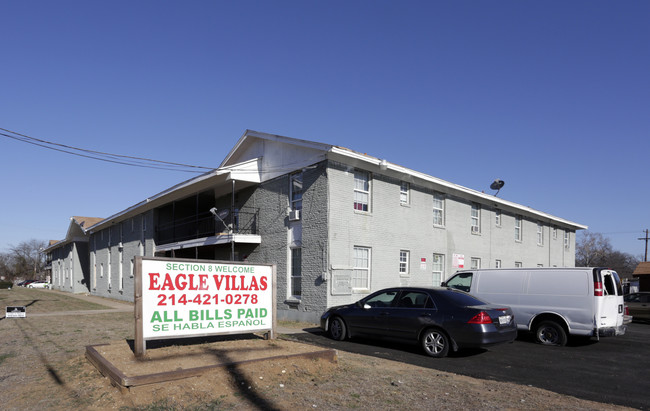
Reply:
x=232 y=223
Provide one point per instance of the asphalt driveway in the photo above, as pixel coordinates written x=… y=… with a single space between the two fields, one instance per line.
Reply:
x=613 y=370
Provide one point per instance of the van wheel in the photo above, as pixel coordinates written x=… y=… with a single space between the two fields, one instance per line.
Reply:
x=550 y=333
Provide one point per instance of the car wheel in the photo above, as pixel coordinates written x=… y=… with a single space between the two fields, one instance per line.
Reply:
x=435 y=343
x=550 y=333
x=337 y=329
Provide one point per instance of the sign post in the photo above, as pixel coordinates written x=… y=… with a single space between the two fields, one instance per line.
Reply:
x=191 y=298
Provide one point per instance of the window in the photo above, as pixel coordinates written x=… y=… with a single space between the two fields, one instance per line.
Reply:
x=403 y=262
x=540 y=234
x=361 y=191
x=361 y=268
x=497 y=218
x=438 y=268
x=566 y=239
x=438 y=209
x=381 y=300
x=475 y=263
x=497 y=263
x=404 y=189
x=93 y=255
x=518 y=228
x=296 y=191
x=120 y=251
x=120 y=270
x=476 y=218
x=518 y=264
x=554 y=233
x=461 y=281
x=296 y=272
x=413 y=299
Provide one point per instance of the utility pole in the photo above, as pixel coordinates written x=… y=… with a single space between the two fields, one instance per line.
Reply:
x=646 y=238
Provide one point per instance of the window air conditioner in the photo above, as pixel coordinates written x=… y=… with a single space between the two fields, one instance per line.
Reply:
x=294 y=215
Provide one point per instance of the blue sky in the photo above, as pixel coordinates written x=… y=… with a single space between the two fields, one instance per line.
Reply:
x=552 y=97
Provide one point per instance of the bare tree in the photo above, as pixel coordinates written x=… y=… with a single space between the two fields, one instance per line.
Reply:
x=595 y=250
x=26 y=260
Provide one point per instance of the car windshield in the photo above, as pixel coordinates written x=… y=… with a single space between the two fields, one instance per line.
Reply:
x=462 y=299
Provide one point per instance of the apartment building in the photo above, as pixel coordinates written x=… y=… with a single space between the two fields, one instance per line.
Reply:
x=338 y=224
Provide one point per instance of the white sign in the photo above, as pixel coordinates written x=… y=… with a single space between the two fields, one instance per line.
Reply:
x=15 y=312
x=458 y=261
x=183 y=298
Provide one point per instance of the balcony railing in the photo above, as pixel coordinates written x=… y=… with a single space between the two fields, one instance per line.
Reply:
x=242 y=221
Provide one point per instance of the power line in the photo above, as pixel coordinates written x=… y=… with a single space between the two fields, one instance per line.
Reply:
x=107 y=157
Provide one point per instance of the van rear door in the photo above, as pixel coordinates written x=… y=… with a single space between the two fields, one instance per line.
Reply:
x=608 y=292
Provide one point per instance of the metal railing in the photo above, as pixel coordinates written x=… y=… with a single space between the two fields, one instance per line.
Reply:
x=242 y=221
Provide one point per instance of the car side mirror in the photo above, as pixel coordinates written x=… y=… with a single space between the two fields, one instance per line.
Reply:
x=443 y=284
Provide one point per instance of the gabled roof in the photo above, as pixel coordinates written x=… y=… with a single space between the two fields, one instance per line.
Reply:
x=642 y=269
x=77 y=231
x=85 y=222
x=258 y=157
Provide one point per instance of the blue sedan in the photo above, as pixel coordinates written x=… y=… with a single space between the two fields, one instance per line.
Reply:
x=440 y=319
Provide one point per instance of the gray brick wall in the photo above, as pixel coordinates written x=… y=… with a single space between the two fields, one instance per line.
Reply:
x=111 y=263
x=330 y=228
x=272 y=199
x=390 y=227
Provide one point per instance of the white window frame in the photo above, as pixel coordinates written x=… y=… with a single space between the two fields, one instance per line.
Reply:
x=438 y=210
x=567 y=239
x=404 y=193
x=476 y=218
x=361 y=263
x=404 y=257
x=93 y=255
x=475 y=263
x=518 y=228
x=293 y=277
x=438 y=269
x=497 y=217
x=518 y=264
x=540 y=234
x=295 y=194
x=120 y=251
x=497 y=263
x=362 y=191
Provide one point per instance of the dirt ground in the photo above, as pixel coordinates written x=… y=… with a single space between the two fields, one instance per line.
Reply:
x=43 y=366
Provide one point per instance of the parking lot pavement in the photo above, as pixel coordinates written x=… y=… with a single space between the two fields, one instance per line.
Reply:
x=612 y=370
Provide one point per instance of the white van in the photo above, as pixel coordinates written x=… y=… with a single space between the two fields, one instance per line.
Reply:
x=552 y=302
